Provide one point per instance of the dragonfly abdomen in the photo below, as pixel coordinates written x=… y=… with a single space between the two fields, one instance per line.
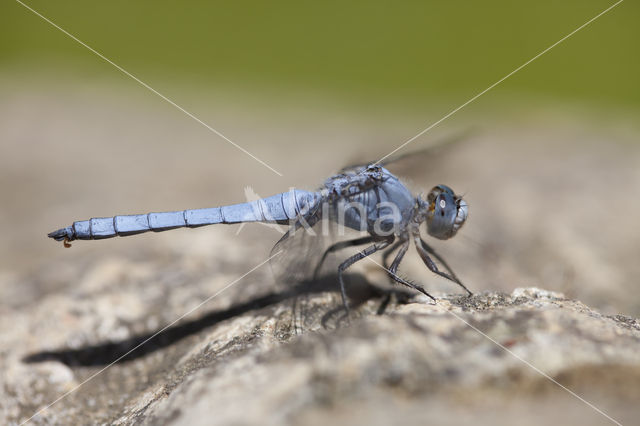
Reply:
x=277 y=208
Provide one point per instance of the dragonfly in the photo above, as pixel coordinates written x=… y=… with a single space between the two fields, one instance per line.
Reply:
x=366 y=198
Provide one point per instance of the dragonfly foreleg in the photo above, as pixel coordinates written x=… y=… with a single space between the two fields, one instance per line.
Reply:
x=393 y=271
x=424 y=250
x=380 y=245
x=339 y=246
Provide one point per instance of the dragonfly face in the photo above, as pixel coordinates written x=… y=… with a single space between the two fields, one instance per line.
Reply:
x=446 y=212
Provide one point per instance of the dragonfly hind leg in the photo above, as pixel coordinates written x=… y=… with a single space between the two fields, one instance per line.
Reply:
x=380 y=245
x=339 y=246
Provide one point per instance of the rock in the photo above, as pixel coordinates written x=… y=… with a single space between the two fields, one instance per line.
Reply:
x=291 y=358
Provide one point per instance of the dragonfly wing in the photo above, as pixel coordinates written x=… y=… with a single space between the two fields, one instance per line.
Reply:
x=302 y=250
x=293 y=252
x=430 y=152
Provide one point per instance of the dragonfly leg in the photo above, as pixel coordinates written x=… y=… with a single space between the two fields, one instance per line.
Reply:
x=388 y=252
x=380 y=245
x=385 y=263
x=424 y=250
x=339 y=246
x=392 y=271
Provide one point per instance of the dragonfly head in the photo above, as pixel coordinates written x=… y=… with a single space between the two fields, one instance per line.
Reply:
x=446 y=212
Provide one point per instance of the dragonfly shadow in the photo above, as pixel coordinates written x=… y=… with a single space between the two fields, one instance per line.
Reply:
x=138 y=346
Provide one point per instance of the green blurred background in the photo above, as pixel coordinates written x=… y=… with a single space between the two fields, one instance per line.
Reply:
x=366 y=53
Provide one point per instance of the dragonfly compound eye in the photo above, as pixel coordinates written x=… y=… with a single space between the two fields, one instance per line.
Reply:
x=446 y=213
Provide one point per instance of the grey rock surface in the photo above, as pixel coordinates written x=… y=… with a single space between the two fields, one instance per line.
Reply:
x=289 y=357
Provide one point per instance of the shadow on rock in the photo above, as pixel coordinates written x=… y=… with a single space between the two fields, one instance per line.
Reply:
x=359 y=291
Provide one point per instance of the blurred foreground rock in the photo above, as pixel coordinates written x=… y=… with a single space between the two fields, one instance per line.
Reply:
x=289 y=357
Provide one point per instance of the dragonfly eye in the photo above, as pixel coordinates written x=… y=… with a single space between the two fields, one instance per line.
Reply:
x=446 y=212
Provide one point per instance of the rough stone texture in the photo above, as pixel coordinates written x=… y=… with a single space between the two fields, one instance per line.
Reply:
x=251 y=356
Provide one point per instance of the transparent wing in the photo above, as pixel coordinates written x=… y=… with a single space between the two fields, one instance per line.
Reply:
x=303 y=267
x=302 y=248
x=430 y=153
x=297 y=249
